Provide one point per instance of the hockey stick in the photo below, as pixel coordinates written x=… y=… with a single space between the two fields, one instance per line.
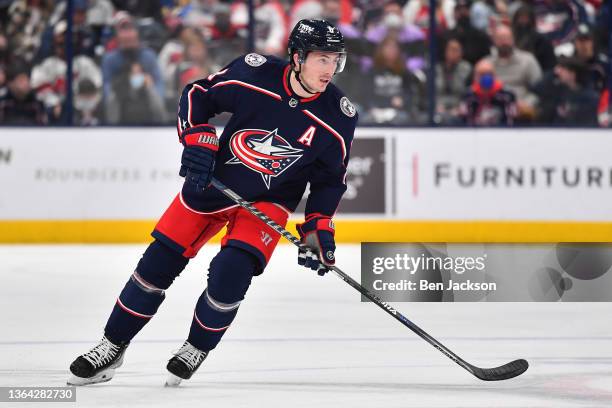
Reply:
x=504 y=372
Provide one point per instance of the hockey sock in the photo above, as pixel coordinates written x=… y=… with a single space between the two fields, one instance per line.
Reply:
x=229 y=277
x=144 y=292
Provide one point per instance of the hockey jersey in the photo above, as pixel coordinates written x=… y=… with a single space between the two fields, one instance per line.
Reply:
x=275 y=141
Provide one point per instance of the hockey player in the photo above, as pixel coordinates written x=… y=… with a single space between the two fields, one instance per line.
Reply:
x=290 y=126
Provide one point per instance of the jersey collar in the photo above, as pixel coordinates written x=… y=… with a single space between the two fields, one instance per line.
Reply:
x=288 y=89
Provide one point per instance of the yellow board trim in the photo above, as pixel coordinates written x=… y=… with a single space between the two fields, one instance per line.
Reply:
x=119 y=231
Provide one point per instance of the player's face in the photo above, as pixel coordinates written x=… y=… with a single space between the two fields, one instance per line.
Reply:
x=318 y=69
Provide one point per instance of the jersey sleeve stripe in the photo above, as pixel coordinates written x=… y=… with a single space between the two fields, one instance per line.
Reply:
x=189 y=109
x=246 y=85
x=330 y=129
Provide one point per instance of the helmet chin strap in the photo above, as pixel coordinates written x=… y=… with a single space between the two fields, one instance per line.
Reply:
x=305 y=87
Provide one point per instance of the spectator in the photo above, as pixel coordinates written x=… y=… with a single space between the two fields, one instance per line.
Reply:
x=99 y=19
x=197 y=54
x=226 y=39
x=196 y=64
x=199 y=14
x=87 y=106
x=25 y=27
x=564 y=100
x=596 y=63
x=337 y=12
x=18 y=103
x=129 y=51
x=100 y=14
x=133 y=99
x=528 y=39
x=171 y=55
x=49 y=77
x=83 y=37
x=394 y=94
x=301 y=9
x=487 y=103
x=486 y=14
x=452 y=77
x=410 y=36
x=270 y=25
x=518 y=70
x=476 y=44
x=416 y=12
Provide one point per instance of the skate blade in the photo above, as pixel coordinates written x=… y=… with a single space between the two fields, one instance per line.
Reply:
x=104 y=376
x=173 y=380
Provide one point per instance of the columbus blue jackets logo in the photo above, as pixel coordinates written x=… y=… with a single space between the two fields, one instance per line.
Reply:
x=263 y=152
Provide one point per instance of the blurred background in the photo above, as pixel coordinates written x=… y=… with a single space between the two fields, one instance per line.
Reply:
x=86 y=62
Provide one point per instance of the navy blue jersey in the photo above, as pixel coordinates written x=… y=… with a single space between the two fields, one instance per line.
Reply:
x=275 y=142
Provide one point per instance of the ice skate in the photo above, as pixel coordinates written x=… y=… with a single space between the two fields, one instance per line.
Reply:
x=184 y=363
x=98 y=364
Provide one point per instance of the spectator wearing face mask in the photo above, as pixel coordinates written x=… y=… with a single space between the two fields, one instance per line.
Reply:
x=476 y=44
x=409 y=35
x=18 y=103
x=518 y=70
x=88 y=110
x=451 y=81
x=564 y=100
x=487 y=103
x=129 y=50
x=528 y=39
x=133 y=99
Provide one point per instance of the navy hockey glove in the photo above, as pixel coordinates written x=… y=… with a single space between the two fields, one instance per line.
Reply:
x=198 y=159
x=317 y=233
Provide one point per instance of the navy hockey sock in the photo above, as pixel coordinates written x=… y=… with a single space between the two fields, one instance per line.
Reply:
x=144 y=292
x=229 y=277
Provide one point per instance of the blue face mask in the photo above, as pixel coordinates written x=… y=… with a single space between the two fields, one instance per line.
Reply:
x=137 y=80
x=486 y=81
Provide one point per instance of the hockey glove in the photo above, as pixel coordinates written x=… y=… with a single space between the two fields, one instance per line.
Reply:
x=198 y=159
x=317 y=234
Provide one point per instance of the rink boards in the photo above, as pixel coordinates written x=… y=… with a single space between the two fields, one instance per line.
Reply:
x=451 y=185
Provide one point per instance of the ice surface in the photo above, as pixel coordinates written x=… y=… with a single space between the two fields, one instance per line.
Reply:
x=298 y=341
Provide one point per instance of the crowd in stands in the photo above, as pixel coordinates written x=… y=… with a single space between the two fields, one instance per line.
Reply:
x=499 y=62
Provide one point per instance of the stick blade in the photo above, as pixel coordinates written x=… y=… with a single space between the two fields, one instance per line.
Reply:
x=504 y=372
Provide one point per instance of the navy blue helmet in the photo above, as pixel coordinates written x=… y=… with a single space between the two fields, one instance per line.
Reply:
x=316 y=35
